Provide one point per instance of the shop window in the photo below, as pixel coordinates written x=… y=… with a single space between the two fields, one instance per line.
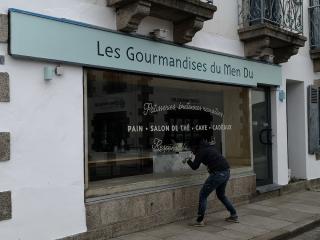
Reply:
x=139 y=125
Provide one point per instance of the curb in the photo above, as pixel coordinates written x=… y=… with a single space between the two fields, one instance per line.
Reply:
x=291 y=230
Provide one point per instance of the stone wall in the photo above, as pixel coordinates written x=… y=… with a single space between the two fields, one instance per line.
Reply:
x=122 y=215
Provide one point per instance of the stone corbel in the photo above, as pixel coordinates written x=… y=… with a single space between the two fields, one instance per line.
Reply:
x=282 y=55
x=259 y=49
x=130 y=16
x=187 y=16
x=185 y=30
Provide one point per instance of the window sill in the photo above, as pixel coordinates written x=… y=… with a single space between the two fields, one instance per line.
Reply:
x=142 y=184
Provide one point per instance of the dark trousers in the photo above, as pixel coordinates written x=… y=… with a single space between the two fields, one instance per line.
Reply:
x=216 y=181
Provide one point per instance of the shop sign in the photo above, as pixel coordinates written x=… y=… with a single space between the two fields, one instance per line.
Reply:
x=60 y=40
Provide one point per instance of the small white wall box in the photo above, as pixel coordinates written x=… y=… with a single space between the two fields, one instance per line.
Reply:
x=159 y=33
x=58 y=71
x=48 y=73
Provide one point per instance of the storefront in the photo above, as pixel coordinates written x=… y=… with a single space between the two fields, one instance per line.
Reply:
x=143 y=102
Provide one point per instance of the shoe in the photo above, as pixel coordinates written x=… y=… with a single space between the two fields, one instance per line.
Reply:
x=197 y=224
x=233 y=219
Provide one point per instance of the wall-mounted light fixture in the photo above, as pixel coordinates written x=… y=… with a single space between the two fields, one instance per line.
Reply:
x=49 y=72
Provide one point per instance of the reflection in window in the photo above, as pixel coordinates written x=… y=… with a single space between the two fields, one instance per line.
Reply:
x=140 y=124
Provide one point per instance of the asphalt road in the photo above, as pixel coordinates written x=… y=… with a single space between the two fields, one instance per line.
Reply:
x=313 y=234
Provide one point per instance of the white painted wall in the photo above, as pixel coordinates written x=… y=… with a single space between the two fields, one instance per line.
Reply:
x=45 y=173
x=297 y=143
x=45 y=119
x=279 y=139
x=300 y=68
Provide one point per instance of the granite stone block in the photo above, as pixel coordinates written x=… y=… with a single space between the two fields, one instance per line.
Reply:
x=5 y=206
x=4 y=146
x=4 y=28
x=158 y=202
x=191 y=196
x=4 y=87
x=93 y=216
x=122 y=209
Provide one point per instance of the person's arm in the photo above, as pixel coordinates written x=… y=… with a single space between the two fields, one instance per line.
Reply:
x=195 y=164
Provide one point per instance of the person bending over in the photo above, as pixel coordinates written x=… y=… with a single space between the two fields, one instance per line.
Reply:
x=219 y=171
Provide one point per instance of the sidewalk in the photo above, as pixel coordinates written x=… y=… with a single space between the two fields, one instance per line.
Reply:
x=264 y=220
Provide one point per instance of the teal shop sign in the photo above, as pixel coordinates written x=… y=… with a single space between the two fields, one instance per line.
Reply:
x=60 y=40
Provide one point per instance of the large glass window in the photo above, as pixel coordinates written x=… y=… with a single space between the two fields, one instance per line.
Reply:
x=140 y=124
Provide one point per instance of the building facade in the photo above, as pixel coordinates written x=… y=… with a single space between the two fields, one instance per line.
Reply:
x=98 y=100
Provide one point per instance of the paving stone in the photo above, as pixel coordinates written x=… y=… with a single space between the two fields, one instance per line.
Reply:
x=252 y=231
x=311 y=202
x=272 y=235
x=272 y=202
x=209 y=228
x=291 y=216
x=136 y=236
x=263 y=222
x=195 y=235
x=245 y=211
x=314 y=234
x=220 y=223
x=5 y=206
x=302 y=224
x=216 y=219
x=262 y=208
x=306 y=194
x=302 y=208
x=236 y=235
x=167 y=231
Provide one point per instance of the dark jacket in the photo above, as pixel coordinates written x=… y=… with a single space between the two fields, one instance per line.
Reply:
x=210 y=157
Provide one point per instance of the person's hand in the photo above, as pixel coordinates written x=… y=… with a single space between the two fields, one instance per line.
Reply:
x=185 y=160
